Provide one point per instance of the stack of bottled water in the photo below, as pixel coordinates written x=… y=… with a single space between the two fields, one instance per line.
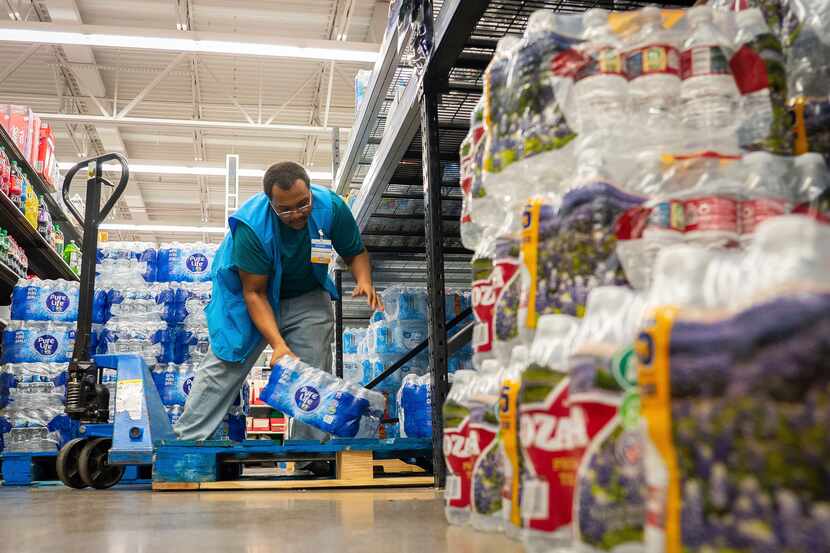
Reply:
x=152 y=302
x=668 y=163
x=37 y=347
x=414 y=401
x=368 y=352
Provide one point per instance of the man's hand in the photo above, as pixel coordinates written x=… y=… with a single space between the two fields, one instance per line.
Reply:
x=372 y=297
x=279 y=351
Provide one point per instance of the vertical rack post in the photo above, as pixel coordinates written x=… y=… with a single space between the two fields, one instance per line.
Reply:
x=231 y=185
x=338 y=324
x=435 y=271
x=335 y=152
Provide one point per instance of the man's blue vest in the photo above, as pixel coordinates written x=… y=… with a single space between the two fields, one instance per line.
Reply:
x=233 y=335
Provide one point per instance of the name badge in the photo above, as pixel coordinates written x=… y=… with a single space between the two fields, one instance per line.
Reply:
x=321 y=251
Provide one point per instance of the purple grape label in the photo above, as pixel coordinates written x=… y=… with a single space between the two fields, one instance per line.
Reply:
x=57 y=302
x=307 y=398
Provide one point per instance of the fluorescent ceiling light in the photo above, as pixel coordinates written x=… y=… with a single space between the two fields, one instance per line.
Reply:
x=187 y=41
x=198 y=170
x=163 y=228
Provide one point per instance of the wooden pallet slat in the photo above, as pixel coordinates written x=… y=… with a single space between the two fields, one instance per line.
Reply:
x=197 y=465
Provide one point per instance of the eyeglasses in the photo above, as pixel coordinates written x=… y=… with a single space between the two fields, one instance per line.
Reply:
x=284 y=214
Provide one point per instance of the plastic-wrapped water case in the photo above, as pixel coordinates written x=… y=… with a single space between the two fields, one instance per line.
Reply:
x=45 y=300
x=38 y=342
x=415 y=406
x=317 y=398
x=185 y=262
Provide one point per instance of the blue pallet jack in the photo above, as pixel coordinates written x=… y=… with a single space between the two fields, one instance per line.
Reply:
x=85 y=460
x=140 y=433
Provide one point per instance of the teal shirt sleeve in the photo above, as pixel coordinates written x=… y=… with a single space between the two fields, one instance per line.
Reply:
x=345 y=236
x=247 y=253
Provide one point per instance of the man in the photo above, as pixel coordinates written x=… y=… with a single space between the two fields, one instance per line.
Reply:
x=271 y=287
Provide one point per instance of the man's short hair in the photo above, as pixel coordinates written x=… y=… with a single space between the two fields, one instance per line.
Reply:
x=284 y=174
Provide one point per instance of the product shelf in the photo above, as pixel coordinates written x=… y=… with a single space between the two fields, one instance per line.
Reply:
x=8 y=278
x=43 y=260
x=70 y=231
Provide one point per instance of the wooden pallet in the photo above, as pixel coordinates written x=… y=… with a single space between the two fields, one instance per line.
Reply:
x=196 y=466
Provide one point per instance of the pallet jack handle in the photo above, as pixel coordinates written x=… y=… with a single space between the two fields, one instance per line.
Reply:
x=86 y=398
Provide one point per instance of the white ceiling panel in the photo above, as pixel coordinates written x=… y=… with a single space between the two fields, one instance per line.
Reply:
x=213 y=88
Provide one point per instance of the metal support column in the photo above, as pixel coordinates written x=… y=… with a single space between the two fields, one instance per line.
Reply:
x=338 y=324
x=335 y=152
x=435 y=272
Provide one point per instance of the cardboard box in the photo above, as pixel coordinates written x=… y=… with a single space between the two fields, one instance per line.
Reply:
x=279 y=425
x=258 y=424
x=256 y=387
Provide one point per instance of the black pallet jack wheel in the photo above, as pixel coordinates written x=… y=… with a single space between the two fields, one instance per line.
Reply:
x=94 y=468
x=67 y=464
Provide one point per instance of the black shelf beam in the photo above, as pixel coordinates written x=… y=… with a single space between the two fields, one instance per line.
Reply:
x=43 y=260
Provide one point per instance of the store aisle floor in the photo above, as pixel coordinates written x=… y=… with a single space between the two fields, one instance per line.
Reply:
x=134 y=519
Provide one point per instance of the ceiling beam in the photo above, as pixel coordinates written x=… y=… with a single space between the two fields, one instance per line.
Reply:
x=90 y=82
x=186 y=123
x=151 y=85
x=339 y=110
x=200 y=42
x=17 y=62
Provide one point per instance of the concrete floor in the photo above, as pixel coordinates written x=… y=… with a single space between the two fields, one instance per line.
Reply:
x=134 y=519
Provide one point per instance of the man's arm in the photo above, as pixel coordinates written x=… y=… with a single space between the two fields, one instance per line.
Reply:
x=361 y=269
x=255 y=292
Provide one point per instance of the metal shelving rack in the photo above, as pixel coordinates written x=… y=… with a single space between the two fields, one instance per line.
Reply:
x=43 y=260
x=411 y=152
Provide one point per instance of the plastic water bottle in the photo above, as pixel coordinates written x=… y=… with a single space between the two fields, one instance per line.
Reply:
x=109 y=379
x=170 y=386
x=414 y=401
x=600 y=87
x=812 y=176
x=487 y=208
x=72 y=256
x=708 y=94
x=174 y=412
x=470 y=231
x=808 y=79
x=652 y=65
x=758 y=66
x=767 y=189
x=456 y=411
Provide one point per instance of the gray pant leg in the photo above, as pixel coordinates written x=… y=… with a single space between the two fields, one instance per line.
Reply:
x=214 y=390
x=307 y=324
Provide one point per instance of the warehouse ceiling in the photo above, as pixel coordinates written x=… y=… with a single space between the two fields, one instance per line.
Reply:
x=182 y=108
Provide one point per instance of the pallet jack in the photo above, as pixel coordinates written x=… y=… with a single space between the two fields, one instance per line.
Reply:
x=141 y=433
x=94 y=459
